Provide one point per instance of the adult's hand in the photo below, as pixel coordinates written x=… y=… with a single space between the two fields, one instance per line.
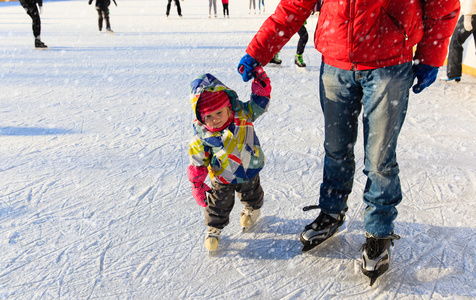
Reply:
x=246 y=67
x=425 y=75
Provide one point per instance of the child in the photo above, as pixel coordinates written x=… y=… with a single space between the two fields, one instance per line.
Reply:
x=226 y=147
x=102 y=6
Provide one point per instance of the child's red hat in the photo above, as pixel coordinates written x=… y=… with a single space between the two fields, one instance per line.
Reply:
x=212 y=101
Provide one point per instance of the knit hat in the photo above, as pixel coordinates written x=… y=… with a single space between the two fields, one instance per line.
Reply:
x=212 y=101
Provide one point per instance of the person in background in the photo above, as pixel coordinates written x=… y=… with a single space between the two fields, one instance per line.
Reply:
x=368 y=64
x=261 y=3
x=210 y=4
x=226 y=146
x=303 y=38
x=102 y=7
x=253 y=2
x=32 y=10
x=179 y=9
x=465 y=27
x=226 y=11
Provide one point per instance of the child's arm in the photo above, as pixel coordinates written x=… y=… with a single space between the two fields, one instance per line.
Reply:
x=260 y=94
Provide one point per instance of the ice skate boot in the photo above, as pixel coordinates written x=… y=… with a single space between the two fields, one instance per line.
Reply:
x=299 y=61
x=276 y=60
x=321 y=229
x=39 y=44
x=249 y=216
x=212 y=238
x=109 y=30
x=376 y=255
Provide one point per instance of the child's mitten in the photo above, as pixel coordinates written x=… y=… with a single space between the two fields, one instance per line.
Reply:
x=261 y=85
x=197 y=176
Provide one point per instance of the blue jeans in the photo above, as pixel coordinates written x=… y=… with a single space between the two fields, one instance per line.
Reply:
x=383 y=94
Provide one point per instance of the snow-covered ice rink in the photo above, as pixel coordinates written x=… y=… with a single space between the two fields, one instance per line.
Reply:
x=94 y=197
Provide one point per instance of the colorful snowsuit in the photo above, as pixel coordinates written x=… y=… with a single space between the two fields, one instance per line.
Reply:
x=233 y=155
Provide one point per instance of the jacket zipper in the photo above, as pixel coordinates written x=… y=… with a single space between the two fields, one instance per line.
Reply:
x=351 y=30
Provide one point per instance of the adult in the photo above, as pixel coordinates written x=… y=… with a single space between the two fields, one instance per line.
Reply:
x=367 y=53
x=210 y=4
x=102 y=7
x=32 y=10
x=464 y=29
x=179 y=9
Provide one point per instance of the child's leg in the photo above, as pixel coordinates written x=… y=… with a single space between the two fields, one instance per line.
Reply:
x=220 y=204
x=251 y=193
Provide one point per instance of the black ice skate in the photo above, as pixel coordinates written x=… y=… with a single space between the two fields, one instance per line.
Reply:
x=376 y=255
x=298 y=60
x=325 y=226
x=39 y=44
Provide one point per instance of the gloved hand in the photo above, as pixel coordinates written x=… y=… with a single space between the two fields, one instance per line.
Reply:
x=467 y=22
x=197 y=176
x=261 y=84
x=90 y=1
x=246 y=66
x=425 y=74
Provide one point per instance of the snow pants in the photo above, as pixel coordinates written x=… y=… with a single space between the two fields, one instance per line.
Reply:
x=32 y=10
x=455 y=54
x=222 y=200
x=383 y=95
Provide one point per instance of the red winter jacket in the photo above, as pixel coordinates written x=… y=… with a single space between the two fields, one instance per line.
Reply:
x=363 y=34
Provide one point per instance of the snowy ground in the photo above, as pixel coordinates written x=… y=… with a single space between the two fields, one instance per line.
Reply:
x=94 y=199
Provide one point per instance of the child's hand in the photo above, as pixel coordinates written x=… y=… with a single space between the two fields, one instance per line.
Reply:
x=261 y=85
x=199 y=193
x=197 y=176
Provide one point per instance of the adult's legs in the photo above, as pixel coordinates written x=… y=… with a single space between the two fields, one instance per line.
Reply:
x=384 y=93
x=169 y=3
x=340 y=95
x=253 y=2
x=100 y=18
x=32 y=11
x=455 y=53
x=385 y=100
x=179 y=8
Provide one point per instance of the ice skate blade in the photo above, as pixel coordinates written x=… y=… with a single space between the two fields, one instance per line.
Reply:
x=308 y=247
x=374 y=275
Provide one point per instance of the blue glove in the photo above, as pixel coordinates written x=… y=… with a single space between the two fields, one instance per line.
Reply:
x=246 y=67
x=425 y=74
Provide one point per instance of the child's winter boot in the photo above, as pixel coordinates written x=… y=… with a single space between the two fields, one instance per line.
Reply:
x=249 y=216
x=212 y=238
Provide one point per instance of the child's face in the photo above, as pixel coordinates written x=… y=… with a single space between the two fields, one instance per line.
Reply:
x=218 y=118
